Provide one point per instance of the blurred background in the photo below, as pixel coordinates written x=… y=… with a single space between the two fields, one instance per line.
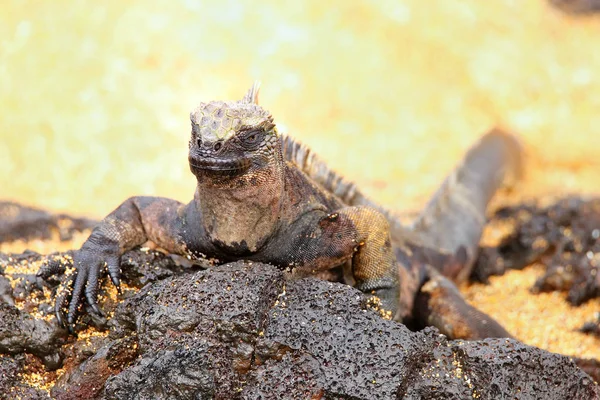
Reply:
x=95 y=97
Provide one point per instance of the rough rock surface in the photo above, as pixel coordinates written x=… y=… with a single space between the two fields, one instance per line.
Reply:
x=12 y=386
x=22 y=222
x=243 y=331
x=248 y=331
x=565 y=236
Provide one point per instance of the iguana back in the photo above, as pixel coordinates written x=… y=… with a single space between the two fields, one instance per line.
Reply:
x=455 y=215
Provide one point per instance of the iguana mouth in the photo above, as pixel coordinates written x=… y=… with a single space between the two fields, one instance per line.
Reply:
x=220 y=166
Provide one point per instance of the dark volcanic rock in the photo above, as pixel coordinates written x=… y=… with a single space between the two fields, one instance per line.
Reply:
x=577 y=6
x=20 y=332
x=589 y=366
x=480 y=370
x=31 y=328
x=222 y=311
x=245 y=331
x=242 y=331
x=12 y=385
x=27 y=328
x=167 y=374
x=142 y=267
x=565 y=236
x=340 y=345
x=592 y=327
x=87 y=379
x=21 y=222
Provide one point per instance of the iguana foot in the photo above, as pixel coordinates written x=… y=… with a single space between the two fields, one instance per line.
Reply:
x=81 y=278
x=374 y=264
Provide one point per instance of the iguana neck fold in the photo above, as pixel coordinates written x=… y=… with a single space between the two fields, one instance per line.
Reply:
x=240 y=213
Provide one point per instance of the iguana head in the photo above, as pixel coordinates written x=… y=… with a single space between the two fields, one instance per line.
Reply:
x=231 y=138
x=235 y=153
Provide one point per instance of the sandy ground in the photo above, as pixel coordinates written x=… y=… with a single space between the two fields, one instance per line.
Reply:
x=95 y=100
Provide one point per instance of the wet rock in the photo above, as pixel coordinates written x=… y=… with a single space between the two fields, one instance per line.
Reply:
x=18 y=222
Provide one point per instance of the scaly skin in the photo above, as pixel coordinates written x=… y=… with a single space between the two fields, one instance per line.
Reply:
x=262 y=197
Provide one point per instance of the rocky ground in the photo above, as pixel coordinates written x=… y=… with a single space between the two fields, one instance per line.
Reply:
x=243 y=330
x=95 y=102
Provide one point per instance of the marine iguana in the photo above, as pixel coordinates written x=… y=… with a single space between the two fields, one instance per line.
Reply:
x=262 y=196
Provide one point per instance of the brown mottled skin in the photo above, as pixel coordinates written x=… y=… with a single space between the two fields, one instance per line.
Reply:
x=263 y=197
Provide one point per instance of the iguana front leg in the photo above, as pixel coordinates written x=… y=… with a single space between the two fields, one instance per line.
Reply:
x=374 y=264
x=134 y=222
x=360 y=234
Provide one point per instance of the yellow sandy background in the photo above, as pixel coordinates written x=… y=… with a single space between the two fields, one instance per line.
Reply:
x=95 y=97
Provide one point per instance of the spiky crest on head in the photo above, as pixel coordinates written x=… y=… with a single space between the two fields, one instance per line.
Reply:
x=251 y=96
x=221 y=120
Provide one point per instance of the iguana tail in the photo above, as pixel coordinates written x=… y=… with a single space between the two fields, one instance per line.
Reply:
x=439 y=303
x=454 y=218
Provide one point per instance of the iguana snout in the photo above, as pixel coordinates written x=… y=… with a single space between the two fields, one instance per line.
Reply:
x=206 y=164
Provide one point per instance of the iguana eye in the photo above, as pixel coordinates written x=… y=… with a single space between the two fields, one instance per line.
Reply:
x=252 y=138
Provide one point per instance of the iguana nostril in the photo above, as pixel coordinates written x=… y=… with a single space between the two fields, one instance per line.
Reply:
x=199 y=142
x=217 y=146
